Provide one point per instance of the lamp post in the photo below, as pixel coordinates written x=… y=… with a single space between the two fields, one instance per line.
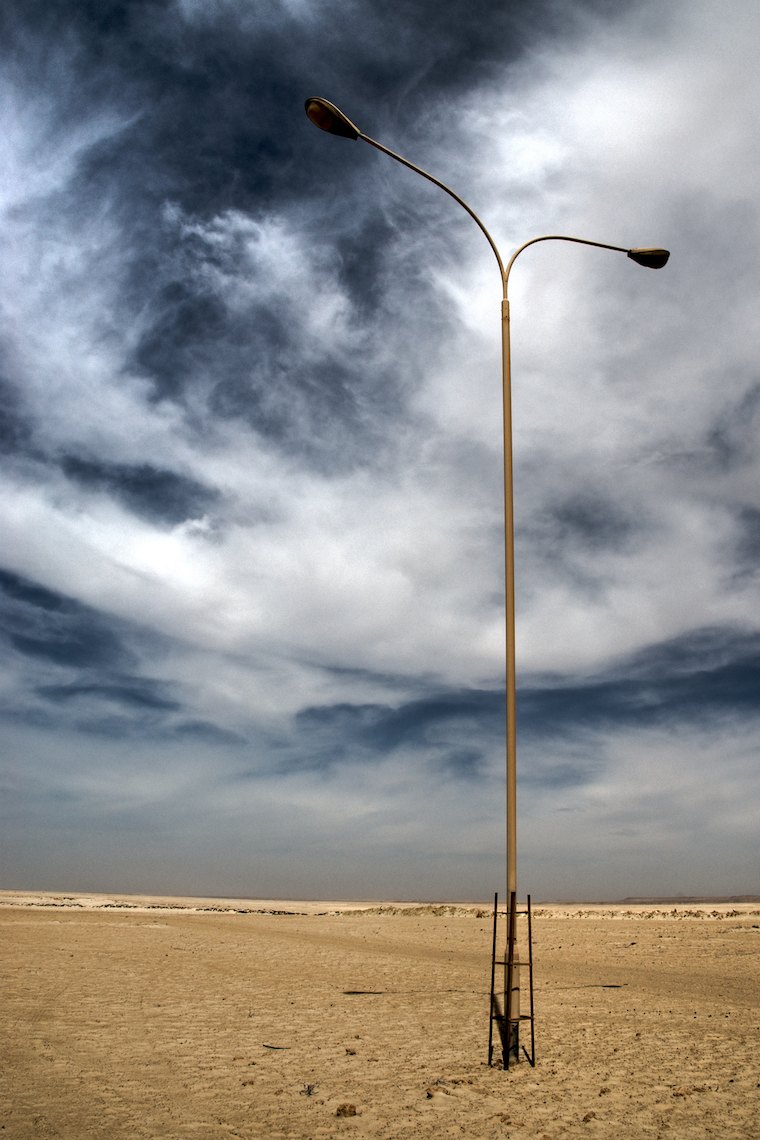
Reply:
x=330 y=118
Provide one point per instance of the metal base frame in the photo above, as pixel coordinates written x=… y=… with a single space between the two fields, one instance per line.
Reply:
x=506 y=1016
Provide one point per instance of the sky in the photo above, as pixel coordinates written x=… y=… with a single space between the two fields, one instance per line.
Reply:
x=251 y=546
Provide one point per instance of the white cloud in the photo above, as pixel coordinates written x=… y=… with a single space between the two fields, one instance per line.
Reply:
x=615 y=366
x=308 y=585
x=635 y=824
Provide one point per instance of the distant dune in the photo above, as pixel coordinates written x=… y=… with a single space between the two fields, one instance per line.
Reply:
x=688 y=900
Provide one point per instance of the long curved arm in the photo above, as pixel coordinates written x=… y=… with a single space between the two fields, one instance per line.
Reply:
x=447 y=190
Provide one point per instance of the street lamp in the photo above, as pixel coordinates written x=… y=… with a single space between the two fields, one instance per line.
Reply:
x=330 y=118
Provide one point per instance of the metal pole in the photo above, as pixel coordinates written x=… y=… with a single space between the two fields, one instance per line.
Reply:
x=509 y=595
x=330 y=118
x=512 y=1014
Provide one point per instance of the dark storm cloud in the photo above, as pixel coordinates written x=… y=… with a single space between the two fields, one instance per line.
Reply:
x=748 y=546
x=421 y=720
x=581 y=520
x=384 y=727
x=732 y=440
x=316 y=410
x=86 y=645
x=183 y=340
x=391 y=680
x=55 y=632
x=61 y=637
x=205 y=732
x=120 y=708
x=15 y=429
x=591 y=521
x=157 y=494
x=690 y=679
x=210 y=107
x=22 y=590
x=135 y=692
x=442 y=726
x=704 y=674
x=224 y=83
x=205 y=348
x=57 y=629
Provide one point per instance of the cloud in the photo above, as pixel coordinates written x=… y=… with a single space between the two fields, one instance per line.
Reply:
x=147 y=490
x=251 y=470
x=43 y=624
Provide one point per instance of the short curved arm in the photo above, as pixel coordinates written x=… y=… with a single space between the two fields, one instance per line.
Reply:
x=555 y=237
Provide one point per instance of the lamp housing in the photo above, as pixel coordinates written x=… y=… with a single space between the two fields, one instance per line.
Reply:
x=330 y=118
x=650 y=258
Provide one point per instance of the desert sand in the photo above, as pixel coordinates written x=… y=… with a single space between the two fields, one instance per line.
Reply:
x=137 y=1017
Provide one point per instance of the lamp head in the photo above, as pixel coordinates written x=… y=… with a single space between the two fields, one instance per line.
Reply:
x=650 y=258
x=330 y=118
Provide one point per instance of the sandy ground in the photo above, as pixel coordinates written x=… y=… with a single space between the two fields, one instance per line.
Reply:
x=126 y=1017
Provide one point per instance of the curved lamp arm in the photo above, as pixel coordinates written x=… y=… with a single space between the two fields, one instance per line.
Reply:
x=331 y=119
x=648 y=256
x=449 y=191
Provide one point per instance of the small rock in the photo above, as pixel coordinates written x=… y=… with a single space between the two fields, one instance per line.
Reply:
x=346 y=1110
x=588 y=1116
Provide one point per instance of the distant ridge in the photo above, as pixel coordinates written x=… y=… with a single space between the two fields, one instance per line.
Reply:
x=679 y=900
